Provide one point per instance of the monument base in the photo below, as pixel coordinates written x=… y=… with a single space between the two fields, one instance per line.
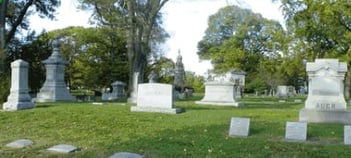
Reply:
x=159 y=110
x=324 y=116
x=236 y=104
x=14 y=106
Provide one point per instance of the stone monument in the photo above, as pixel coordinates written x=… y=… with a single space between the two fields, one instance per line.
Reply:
x=238 y=77
x=325 y=102
x=284 y=91
x=155 y=97
x=19 y=98
x=54 y=88
x=117 y=91
x=134 y=92
x=220 y=93
x=179 y=73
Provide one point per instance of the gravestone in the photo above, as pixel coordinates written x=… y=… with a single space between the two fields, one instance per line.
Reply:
x=347 y=134
x=284 y=91
x=54 y=88
x=239 y=127
x=220 y=93
x=134 y=93
x=179 y=73
x=21 y=143
x=117 y=90
x=296 y=131
x=19 y=97
x=238 y=77
x=63 y=148
x=155 y=97
x=325 y=102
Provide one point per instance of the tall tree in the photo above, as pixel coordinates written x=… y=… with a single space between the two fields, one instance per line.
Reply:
x=320 y=29
x=237 y=38
x=14 y=15
x=141 y=20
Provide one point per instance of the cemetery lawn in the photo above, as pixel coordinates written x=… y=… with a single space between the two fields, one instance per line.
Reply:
x=200 y=132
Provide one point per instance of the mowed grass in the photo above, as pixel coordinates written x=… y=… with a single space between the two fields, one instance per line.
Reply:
x=201 y=131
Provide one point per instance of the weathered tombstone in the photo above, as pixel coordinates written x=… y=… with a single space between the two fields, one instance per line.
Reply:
x=347 y=134
x=284 y=91
x=238 y=77
x=134 y=93
x=63 y=148
x=296 y=131
x=155 y=97
x=153 y=78
x=21 y=143
x=118 y=90
x=220 y=93
x=54 y=88
x=325 y=102
x=239 y=126
x=19 y=98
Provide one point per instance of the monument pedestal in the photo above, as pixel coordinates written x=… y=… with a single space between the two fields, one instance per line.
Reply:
x=325 y=116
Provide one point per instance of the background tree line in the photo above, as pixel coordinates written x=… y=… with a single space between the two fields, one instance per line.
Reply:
x=127 y=37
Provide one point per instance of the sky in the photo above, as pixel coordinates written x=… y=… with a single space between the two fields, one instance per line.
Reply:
x=184 y=20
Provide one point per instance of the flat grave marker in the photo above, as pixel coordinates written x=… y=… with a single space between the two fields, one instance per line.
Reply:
x=347 y=135
x=21 y=143
x=63 y=148
x=239 y=126
x=296 y=131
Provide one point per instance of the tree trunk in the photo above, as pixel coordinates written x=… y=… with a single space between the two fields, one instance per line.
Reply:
x=3 y=9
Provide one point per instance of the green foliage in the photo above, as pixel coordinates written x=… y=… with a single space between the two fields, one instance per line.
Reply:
x=164 y=68
x=194 y=81
x=202 y=131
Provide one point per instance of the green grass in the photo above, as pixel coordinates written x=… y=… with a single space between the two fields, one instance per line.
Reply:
x=201 y=131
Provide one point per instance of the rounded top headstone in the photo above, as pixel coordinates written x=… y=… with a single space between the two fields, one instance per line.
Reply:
x=118 y=83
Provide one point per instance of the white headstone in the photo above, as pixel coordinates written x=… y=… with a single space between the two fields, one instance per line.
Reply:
x=296 y=131
x=19 y=98
x=63 y=148
x=21 y=143
x=347 y=134
x=54 y=88
x=325 y=102
x=239 y=126
x=155 y=97
x=219 y=93
x=134 y=93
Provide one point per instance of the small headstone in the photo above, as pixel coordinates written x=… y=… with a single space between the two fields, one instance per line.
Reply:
x=21 y=143
x=96 y=103
x=298 y=101
x=347 y=134
x=239 y=127
x=63 y=148
x=282 y=101
x=296 y=131
x=125 y=155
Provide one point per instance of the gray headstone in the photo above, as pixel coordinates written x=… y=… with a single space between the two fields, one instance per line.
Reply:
x=63 y=148
x=347 y=134
x=21 y=143
x=296 y=131
x=239 y=126
x=125 y=155
x=298 y=101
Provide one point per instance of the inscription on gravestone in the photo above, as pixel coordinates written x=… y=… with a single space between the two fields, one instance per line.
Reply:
x=239 y=126
x=347 y=135
x=296 y=131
